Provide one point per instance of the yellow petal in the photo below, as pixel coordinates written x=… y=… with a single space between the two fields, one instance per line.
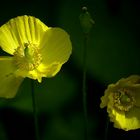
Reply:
x=124 y=119
x=49 y=70
x=21 y=30
x=137 y=97
x=134 y=89
x=132 y=84
x=40 y=72
x=105 y=98
x=55 y=47
x=128 y=120
x=9 y=83
x=131 y=80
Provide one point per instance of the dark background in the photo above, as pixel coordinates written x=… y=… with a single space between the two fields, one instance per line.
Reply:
x=113 y=53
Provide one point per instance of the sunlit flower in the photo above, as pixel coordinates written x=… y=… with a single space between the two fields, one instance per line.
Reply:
x=123 y=103
x=35 y=49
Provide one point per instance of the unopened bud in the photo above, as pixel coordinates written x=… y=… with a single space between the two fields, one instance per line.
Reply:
x=86 y=20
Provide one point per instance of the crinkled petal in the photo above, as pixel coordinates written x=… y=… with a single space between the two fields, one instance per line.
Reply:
x=131 y=80
x=9 y=83
x=105 y=98
x=136 y=96
x=21 y=30
x=132 y=84
x=128 y=120
x=55 y=50
x=134 y=89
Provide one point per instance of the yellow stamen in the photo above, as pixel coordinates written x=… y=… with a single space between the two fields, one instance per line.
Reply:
x=27 y=57
x=123 y=100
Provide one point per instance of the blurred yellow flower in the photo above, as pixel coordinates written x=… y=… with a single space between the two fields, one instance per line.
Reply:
x=123 y=103
x=35 y=49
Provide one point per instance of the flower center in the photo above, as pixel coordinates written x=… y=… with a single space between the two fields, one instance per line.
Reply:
x=27 y=57
x=123 y=100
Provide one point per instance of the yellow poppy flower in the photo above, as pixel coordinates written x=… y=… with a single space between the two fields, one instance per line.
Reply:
x=35 y=49
x=123 y=103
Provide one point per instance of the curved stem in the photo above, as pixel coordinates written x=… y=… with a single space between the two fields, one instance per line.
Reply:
x=34 y=111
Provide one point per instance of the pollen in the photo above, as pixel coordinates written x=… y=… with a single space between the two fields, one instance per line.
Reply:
x=123 y=100
x=27 y=57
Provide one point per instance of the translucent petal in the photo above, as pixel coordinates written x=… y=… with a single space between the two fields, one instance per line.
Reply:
x=49 y=70
x=20 y=30
x=9 y=83
x=36 y=75
x=131 y=80
x=40 y=72
x=128 y=120
x=33 y=74
x=131 y=83
x=55 y=47
x=105 y=98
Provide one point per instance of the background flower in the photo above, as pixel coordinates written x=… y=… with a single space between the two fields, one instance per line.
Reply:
x=123 y=103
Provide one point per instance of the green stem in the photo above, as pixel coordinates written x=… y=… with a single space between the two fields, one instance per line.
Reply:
x=34 y=111
x=106 y=129
x=84 y=86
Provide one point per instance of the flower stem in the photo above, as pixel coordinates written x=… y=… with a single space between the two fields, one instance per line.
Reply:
x=86 y=22
x=84 y=86
x=34 y=111
x=106 y=129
